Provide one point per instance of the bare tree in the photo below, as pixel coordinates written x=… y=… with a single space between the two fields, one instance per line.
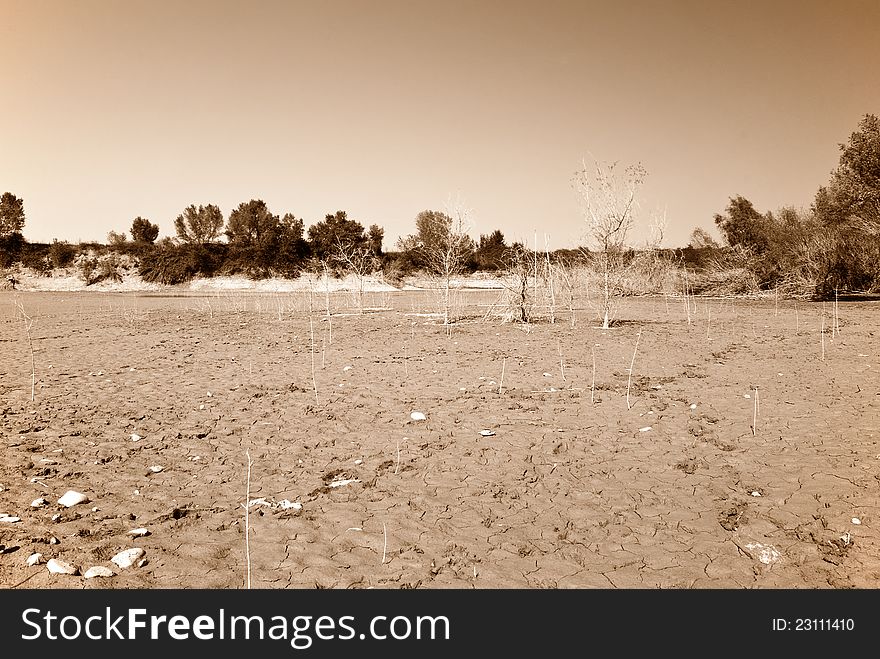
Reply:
x=445 y=246
x=358 y=259
x=609 y=202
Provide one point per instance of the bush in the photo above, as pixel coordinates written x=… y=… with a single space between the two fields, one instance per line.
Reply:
x=61 y=254
x=179 y=264
x=94 y=269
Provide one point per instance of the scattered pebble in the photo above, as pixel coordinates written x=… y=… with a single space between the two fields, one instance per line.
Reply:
x=157 y=468
x=693 y=406
x=128 y=557
x=346 y=368
x=135 y=437
x=747 y=395
x=9 y=519
x=417 y=416
x=56 y=566
x=645 y=429
x=72 y=498
x=38 y=503
x=856 y=520
x=139 y=533
x=755 y=493
x=34 y=559
x=54 y=541
x=285 y=505
x=56 y=517
x=98 y=571
x=548 y=375
x=210 y=394
x=487 y=433
x=201 y=407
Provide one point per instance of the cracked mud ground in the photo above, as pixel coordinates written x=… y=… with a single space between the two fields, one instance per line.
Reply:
x=578 y=487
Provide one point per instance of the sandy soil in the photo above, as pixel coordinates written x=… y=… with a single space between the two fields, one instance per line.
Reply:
x=578 y=486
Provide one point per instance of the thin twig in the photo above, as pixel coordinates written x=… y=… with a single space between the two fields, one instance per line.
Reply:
x=247 y=528
x=632 y=363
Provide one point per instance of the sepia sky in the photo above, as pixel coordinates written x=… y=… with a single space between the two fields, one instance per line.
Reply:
x=111 y=110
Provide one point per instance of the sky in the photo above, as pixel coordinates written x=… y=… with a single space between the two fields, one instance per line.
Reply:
x=384 y=108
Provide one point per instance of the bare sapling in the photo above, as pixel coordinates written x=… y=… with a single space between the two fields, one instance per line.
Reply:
x=708 y=321
x=561 y=360
x=608 y=197
x=247 y=525
x=632 y=363
x=755 y=412
x=28 y=323
x=822 y=332
x=593 y=383
x=835 y=328
x=314 y=382
x=501 y=382
x=384 y=542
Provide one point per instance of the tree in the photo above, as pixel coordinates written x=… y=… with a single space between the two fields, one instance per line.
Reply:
x=744 y=227
x=199 y=225
x=491 y=251
x=116 y=239
x=11 y=215
x=444 y=246
x=375 y=235
x=336 y=232
x=700 y=239
x=609 y=202
x=853 y=194
x=144 y=231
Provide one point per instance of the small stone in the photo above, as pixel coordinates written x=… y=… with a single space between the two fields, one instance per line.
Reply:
x=9 y=519
x=856 y=520
x=645 y=429
x=34 y=559
x=693 y=406
x=138 y=533
x=142 y=562
x=285 y=505
x=98 y=571
x=56 y=517
x=201 y=407
x=487 y=433
x=755 y=493
x=135 y=437
x=56 y=566
x=156 y=469
x=72 y=498
x=128 y=557
x=347 y=368
x=417 y=416
x=358 y=461
x=548 y=375
x=38 y=503
x=54 y=541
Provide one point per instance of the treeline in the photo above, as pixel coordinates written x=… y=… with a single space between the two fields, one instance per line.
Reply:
x=832 y=246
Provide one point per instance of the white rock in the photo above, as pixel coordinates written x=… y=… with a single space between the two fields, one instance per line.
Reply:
x=9 y=519
x=417 y=416
x=98 y=571
x=347 y=368
x=548 y=375
x=343 y=481
x=54 y=541
x=142 y=562
x=856 y=520
x=135 y=437
x=756 y=493
x=358 y=461
x=35 y=559
x=56 y=517
x=156 y=468
x=128 y=557
x=138 y=533
x=38 y=503
x=285 y=504
x=766 y=554
x=487 y=433
x=60 y=567
x=72 y=498
x=645 y=429
x=693 y=406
